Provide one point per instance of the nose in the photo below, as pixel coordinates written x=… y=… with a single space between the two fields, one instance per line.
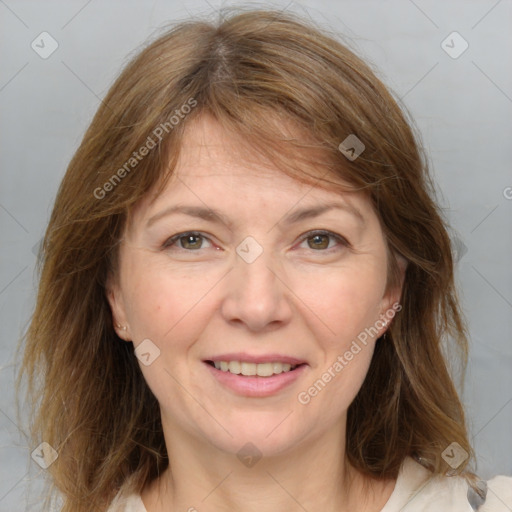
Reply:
x=256 y=295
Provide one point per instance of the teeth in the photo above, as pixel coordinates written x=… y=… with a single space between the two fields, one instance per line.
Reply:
x=234 y=367
x=251 y=369
x=248 y=368
x=277 y=367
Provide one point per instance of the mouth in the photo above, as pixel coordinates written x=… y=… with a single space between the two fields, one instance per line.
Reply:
x=250 y=369
x=255 y=376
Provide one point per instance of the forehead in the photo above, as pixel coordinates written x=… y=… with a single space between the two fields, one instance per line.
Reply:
x=206 y=143
x=216 y=162
x=207 y=149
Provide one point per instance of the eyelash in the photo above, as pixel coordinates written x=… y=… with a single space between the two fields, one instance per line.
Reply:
x=341 y=240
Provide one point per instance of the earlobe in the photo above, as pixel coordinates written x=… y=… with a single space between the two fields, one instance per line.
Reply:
x=391 y=302
x=395 y=294
x=402 y=266
x=117 y=310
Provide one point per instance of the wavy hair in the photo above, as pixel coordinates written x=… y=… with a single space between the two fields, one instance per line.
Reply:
x=256 y=72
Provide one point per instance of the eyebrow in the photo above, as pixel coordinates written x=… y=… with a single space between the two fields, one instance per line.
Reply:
x=315 y=211
x=212 y=215
x=199 y=212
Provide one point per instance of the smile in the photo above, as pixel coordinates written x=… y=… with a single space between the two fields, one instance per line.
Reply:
x=255 y=378
x=251 y=369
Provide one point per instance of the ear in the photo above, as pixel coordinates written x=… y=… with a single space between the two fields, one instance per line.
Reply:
x=391 y=300
x=115 y=299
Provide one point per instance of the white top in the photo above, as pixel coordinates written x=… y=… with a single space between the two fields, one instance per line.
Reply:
x=415 y=491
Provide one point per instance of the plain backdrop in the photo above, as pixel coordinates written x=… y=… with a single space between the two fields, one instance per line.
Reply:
x=461 y=104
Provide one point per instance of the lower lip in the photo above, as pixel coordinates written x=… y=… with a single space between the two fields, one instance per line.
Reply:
x=256 y=386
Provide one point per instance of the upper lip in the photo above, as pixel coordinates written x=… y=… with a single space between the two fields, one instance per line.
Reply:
x=250 y=358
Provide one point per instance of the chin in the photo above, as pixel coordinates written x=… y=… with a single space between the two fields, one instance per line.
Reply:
x=258 y=434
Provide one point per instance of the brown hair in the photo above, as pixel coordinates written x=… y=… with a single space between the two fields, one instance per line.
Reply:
x=254 y=72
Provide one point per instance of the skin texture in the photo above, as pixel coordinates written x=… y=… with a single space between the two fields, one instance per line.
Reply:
x=306 y=297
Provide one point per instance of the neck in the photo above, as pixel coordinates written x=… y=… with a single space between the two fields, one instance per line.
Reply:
x=314 y=475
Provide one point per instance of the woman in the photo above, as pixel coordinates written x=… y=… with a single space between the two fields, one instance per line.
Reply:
x=244 y=287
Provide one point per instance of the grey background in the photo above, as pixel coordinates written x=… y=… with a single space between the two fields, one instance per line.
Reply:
x=462 y=107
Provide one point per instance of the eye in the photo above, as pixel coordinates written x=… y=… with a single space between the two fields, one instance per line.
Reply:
x=188 y=241
x=322 y=240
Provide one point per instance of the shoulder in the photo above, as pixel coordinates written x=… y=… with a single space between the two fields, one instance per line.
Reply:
x=499 y=495
x=127 y=502
x=416 y=490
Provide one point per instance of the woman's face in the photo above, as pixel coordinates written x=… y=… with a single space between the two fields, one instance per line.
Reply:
x=237 y=267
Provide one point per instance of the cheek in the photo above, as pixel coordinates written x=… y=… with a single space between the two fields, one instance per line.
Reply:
x=348 y=302
x=342 y=302
x=163 y=301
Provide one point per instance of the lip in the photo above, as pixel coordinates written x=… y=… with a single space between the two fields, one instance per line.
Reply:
x=256 y=386
x=248 y=358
